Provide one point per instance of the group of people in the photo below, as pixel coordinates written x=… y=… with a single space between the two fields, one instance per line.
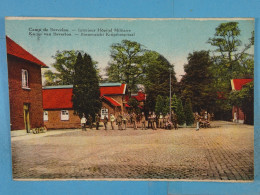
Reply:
x=203 y=119
x=132 y=120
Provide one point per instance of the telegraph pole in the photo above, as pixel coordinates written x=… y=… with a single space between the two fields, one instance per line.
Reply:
x=170 y=94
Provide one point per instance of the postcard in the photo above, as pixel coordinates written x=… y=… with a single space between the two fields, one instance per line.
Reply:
x=131 y=99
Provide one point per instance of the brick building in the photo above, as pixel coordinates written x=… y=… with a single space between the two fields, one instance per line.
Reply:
x=237 y=114
x=58 y=108
x=25 y=87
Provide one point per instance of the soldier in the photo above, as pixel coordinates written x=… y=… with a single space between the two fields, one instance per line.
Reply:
x=143 y=121
x=97 y=120
x=119 y=122
x=197 y=119
x=150 y=120
x=160 y=121
x=153 y=121
x=134 y=121
x=112 y=119
x=105 y=122
x=83 y=123
x=124 y=121
x=90 y=121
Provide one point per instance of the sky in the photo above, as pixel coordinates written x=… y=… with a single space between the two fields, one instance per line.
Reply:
x=172 y=38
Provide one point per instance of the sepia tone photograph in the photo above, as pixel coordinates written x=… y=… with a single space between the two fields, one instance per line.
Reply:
x=131 y=99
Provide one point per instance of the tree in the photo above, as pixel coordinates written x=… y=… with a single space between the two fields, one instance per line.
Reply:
x=188 y=112
x=231 y=61
x=86 y=94
x=133 y=103
x=64 y=69
x=180 y=112
x=197 y=82
x=156 y=79
x=174 y=102
x=159 y=105
x=126 y=65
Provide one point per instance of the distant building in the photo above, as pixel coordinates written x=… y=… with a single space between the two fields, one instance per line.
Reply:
x=237 y=114
x=58 y=107
x=25 y=87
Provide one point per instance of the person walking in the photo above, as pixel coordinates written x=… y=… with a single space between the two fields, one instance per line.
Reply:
x=83 y=123
x=112 y=120
x=90 y=121
x=105 y=122
x=97 y=120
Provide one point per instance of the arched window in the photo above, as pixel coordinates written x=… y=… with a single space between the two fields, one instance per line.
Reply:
x=25 y=76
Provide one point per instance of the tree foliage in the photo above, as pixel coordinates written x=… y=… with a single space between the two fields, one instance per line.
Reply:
x=180 y=112
x=244 y=99
x=86 y=94
x=126 y=65
x=157 y=71
x=231 y=61
x=189 y=118
x=133 y=103
x=63 y=73
x=196 y=84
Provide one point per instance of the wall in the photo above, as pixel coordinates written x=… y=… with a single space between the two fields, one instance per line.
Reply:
x=19 y=96
x=55 y=122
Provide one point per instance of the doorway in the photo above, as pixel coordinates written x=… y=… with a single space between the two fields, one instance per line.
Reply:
x=26 y=112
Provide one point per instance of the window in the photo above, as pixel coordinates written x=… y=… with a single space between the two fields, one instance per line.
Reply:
x=25 y=76
x=64 y=115
x=104 y=112
x=45 y=116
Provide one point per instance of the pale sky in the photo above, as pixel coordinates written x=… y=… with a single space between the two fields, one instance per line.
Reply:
x=173 y=38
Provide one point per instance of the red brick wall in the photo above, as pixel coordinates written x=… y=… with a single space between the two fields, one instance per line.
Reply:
x=19 y=96
x=55 y=122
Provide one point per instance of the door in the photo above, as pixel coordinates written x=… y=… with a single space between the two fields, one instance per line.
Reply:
x=26 y=107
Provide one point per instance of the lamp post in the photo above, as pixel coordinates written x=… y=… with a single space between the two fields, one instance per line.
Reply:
x=170 y=94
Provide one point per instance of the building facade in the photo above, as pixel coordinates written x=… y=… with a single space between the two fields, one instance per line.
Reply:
x=237 y=114
x=25 y=87
x=58 y=107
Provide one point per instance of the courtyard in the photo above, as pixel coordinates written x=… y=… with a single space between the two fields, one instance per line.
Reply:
x=223 y=152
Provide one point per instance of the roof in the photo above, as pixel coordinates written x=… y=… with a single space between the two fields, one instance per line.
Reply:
x=105 y=88
x=16 y=50
x=57 y=98
x=113 y=90
x=237 y=84
x=112 y=101
x=140 y=96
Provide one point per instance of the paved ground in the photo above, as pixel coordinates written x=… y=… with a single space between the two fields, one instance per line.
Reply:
x=224 y=152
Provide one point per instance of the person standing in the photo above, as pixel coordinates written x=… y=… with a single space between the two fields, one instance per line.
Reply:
x=90 y=121
x=134 y=121
x=119 y=122
x=83 y=123
x=97 y=120
x=143 y=121
x=197 y=119
x=124 y=121
x=112 y=120
x=105 y=122
x=153 y=118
